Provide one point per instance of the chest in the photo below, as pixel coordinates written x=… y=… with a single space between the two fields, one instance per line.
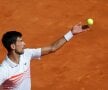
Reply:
x=17 y=75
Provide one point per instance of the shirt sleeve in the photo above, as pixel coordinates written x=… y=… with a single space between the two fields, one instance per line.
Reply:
x=1 y=80
x=2 y=76
x=33 y=53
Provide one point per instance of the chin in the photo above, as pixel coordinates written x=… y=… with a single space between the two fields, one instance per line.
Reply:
x=22 y=52
x=19 y=53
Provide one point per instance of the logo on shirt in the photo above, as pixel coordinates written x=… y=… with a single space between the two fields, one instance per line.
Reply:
x=25 y=63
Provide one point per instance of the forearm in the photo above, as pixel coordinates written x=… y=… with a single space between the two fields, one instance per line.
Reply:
x=53 y=47
x=57 y=44
x=75 y=30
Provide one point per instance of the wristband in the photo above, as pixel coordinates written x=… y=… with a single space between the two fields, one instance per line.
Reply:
x=68 y=35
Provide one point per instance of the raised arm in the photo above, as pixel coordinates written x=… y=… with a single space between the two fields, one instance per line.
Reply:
x=78 y=28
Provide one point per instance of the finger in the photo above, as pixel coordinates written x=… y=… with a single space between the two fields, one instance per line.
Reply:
x=86 y=29
x=79 y=24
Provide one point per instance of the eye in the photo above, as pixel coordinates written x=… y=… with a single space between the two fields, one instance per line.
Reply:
x=21 y=40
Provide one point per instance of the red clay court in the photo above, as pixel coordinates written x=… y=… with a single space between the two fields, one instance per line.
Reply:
x=82 y=63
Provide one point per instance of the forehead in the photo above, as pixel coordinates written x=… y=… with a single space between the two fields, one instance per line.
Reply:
x=19 y=38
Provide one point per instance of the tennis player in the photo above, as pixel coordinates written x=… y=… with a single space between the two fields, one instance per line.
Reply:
x=15 y=68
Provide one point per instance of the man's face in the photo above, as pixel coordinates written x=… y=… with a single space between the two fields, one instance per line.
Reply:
x=19 y=46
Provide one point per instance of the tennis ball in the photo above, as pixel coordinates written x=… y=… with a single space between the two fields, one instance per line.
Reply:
x=90 y=21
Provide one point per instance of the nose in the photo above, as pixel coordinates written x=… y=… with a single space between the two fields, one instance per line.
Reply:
x=24 y=43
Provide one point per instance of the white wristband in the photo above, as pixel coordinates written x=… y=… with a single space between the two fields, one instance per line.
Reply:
x=68 y=35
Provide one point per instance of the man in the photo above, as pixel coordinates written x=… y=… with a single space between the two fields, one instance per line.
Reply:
x=15 y=69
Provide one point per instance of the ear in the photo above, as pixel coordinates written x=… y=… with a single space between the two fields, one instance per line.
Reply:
x=12 y=46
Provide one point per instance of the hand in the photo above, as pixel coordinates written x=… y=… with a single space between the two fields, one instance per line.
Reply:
x=78 y=28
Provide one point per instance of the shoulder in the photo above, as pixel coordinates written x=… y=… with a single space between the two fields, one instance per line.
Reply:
x=2 y=70
x=3 y=74
x=4 y=66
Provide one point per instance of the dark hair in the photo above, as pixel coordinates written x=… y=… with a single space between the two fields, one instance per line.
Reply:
x=9 y=38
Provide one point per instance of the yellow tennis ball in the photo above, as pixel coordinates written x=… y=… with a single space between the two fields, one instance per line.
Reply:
x=90 y=21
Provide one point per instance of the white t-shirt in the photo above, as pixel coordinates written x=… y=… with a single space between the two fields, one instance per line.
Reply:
x=17 y=76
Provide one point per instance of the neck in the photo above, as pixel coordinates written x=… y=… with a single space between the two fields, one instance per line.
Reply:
x=14 y=57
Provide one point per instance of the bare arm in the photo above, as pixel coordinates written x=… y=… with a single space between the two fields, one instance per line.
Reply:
x=54 y=46
x=60 y=42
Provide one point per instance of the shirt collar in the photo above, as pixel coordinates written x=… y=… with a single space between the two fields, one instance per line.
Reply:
x=10 y=62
